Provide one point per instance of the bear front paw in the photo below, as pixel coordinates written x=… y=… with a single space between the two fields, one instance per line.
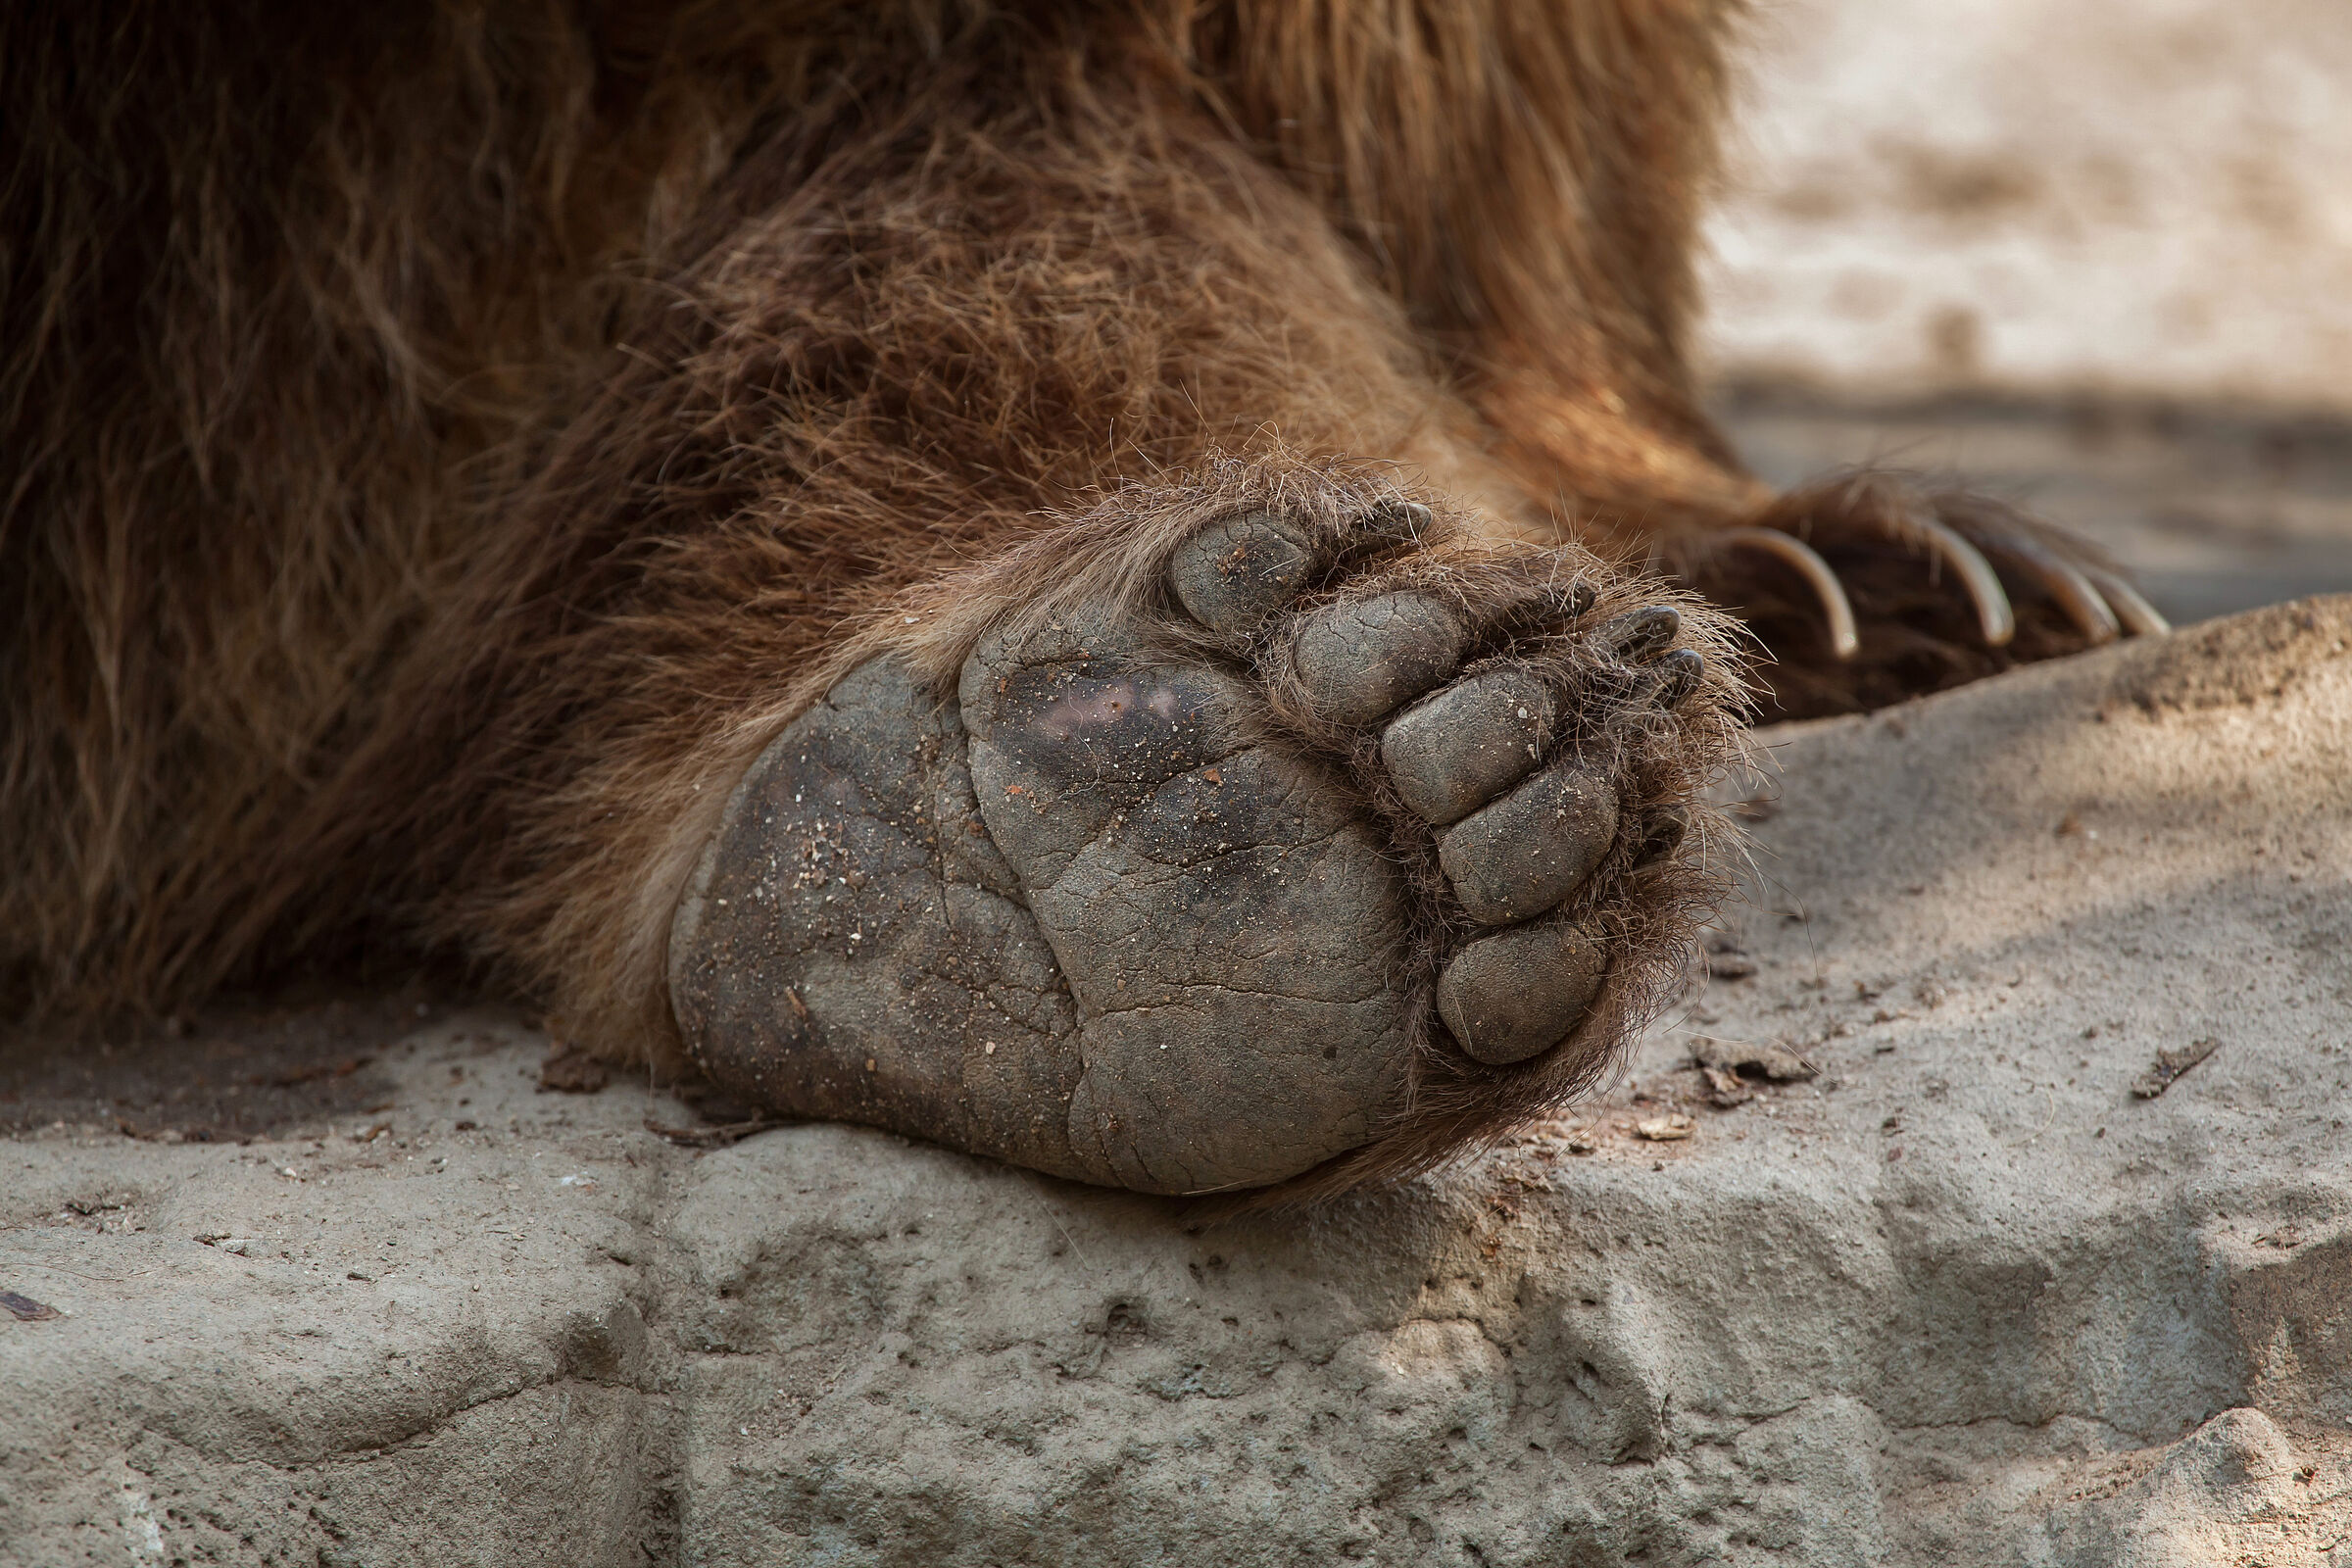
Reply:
x=1332 y=848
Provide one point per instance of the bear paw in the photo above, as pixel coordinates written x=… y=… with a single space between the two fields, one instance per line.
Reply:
x=1868 y=589
x=1327 y=846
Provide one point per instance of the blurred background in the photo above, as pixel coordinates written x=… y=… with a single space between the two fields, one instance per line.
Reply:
x=2093 y=255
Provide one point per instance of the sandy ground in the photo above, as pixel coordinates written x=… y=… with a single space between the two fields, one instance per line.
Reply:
x=2123 y=197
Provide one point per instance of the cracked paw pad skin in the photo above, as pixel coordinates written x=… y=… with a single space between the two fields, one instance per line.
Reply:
x=1321 y=855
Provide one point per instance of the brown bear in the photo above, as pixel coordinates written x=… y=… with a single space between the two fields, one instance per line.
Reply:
x=1126 y=587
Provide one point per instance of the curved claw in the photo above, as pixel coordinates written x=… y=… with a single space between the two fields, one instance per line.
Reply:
x=1676 y=676
x=1639 y=633
x=2074 y=591
x=1994 y=618
x=1835 y=607
x=2140 y=618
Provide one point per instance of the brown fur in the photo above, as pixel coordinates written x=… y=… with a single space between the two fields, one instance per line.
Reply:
x=447 y=440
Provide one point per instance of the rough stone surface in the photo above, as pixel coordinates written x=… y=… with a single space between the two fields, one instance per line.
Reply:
x=1959 y=1299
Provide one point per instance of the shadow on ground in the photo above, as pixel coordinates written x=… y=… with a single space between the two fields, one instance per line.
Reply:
x=244 y=1068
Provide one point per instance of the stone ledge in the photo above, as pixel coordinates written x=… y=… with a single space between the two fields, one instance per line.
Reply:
x=1959 y=1299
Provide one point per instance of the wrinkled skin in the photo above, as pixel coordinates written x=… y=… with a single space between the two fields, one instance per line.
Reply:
x=1102 y=911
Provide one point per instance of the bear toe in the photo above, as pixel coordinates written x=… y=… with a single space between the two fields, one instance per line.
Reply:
x=1457 y=748
x=1358 y=661
x=1517 y=994
x=1233 y=574
x=1527 y=851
